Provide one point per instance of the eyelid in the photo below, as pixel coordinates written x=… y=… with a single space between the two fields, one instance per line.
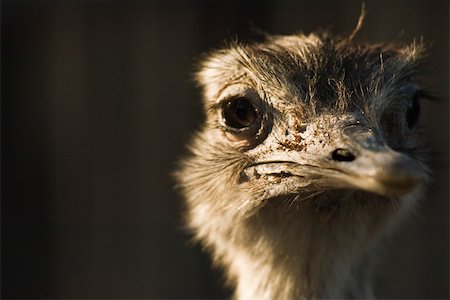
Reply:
x=214 y=107
x=412 y=90
x=239 y=92
x=236 y=90
x=424 y=94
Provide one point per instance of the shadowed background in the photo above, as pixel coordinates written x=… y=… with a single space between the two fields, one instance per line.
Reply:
x=97 y=105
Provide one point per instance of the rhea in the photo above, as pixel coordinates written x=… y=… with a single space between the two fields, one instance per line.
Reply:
x=308 y=157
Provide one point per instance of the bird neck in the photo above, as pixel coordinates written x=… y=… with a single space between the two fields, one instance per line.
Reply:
x=302 y=254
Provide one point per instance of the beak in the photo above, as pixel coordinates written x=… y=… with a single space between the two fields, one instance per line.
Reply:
x=356 y=159
x=367 y=163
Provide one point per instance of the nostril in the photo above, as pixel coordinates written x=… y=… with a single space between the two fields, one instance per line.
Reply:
x=342 y=155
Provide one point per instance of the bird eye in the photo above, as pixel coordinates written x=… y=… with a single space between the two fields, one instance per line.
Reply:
x=413 y=112
x=239 y=113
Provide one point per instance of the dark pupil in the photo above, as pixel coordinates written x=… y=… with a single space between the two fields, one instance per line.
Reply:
x=239 y=113
x=412 y=115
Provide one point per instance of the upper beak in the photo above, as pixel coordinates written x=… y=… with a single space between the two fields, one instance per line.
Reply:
x=356 y=159
x=367 y=163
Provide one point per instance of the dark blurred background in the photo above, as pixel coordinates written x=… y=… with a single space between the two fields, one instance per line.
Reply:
x=97 y=103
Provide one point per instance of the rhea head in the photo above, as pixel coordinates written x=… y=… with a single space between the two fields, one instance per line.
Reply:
x=309 y=150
